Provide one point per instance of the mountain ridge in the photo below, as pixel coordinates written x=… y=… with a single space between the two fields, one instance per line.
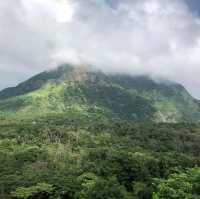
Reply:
x=82 y=92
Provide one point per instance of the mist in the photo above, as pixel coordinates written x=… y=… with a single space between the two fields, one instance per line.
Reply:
x=159 y=38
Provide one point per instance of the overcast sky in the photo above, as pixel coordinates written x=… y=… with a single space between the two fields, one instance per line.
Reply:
x=160 y=38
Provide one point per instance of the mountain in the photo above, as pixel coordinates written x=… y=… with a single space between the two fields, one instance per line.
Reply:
x=80 y=92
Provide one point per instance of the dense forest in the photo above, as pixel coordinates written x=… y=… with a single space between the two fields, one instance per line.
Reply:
x=58 y=158
x=71 y=133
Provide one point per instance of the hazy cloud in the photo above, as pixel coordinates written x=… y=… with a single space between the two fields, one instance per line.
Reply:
x=156 y=37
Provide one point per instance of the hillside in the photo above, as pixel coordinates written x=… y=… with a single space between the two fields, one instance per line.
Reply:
x=62 y=159
x=69 y=133
x=83 y=93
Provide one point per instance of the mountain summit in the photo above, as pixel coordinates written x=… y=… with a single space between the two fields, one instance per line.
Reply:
x=83 y=93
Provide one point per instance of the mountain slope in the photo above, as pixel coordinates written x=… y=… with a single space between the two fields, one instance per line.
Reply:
x=33 y=83
x=83 y=93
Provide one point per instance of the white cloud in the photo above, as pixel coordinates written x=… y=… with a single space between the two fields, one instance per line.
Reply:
x=159 y=38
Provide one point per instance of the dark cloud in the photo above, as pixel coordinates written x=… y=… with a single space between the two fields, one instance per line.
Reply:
x=194 y=5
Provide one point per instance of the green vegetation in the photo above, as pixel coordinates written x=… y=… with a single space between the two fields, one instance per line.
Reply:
x=83 y=159
x=185 y=185
x=78 y=93
x=41 y=190
x=74 y=134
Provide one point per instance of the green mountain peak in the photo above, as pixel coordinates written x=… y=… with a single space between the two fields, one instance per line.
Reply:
x=82 y=92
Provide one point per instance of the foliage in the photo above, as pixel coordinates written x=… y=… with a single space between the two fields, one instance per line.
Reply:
x=90 y=135
x=79 y=93
x=40 y=191
x=185 y=185
x=92 y=159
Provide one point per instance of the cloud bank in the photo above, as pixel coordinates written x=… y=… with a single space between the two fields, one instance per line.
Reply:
x=160 y=38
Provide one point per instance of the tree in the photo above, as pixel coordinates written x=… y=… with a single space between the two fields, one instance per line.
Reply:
x=40 y=191
x=96 y=187
x=181 y=185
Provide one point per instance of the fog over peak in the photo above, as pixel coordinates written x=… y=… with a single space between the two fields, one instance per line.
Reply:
x=160 y=38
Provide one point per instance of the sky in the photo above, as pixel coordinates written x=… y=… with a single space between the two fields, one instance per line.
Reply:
x=159 y=38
